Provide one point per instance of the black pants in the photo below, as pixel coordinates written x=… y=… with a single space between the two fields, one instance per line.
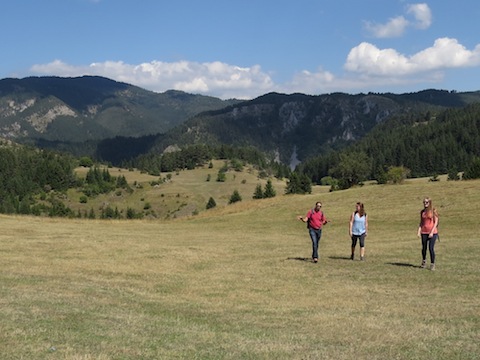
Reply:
x=355 y=238
x=430 y=243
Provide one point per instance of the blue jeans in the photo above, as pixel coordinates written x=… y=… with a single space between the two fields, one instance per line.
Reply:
x=315 y=235
x=430 y=243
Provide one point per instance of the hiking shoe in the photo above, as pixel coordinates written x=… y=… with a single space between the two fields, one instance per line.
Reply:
x=432 y=267
x=424 y=264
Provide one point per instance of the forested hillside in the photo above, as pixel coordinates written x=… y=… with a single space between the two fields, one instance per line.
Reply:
x=293 y=128
x=28 y=175
x=53 y=110
x=448 y=142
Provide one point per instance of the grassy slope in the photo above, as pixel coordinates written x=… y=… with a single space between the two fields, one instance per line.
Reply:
x=187 y=192
x=235 y=282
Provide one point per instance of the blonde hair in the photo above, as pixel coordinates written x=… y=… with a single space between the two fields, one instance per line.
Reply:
x=430 y=211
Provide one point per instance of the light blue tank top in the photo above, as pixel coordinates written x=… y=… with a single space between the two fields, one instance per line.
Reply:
x=358 y=226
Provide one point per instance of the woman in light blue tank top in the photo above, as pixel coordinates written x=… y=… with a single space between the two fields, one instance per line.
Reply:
x=358 y=229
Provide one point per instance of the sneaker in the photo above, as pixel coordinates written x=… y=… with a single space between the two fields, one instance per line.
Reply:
x=362 y=258
x=432 y=267
x=351 y=257
x=424 y=264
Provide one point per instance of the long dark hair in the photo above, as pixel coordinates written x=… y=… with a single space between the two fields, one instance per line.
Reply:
x=361 y=210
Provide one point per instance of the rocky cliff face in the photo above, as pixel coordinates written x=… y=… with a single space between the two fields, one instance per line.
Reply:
x=91 y=108
x=292 y=127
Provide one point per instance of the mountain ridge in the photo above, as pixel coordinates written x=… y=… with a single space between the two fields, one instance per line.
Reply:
x=297 y=126
x=91 y=108
x=107 y=119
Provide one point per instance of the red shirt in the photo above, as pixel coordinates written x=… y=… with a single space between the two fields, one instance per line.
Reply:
x=427 y=223
x=316 y=219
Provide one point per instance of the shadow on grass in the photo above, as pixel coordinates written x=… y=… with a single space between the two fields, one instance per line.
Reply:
x=340 y=258
x=403 y=264
x=300 y=259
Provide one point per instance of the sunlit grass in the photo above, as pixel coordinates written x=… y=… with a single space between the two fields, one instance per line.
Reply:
x=235 y=282
x=179 y=194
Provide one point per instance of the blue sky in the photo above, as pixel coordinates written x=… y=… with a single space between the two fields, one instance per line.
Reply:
x=244 y=49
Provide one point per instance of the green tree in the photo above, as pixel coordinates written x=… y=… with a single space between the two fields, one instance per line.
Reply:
x=221 y=177
x=397 y=174
x=211 y=203
x=473 y=170
x=352 y=169
x=298 y=184
x=85 y=161
x=381 y=176
x=131 y=213
x=235 y=197
x=453 y=175
x=269 y=190
x=122 y=182
x=258 y=194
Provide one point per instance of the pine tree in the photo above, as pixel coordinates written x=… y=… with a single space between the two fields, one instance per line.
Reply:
x=211 y=203
x=473 y=170
x=269 y=190
x=258 y=194
x=235 y=197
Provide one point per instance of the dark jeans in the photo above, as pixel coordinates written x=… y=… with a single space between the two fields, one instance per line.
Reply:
x=430 y=243
x=315 y=235
x=355 y=238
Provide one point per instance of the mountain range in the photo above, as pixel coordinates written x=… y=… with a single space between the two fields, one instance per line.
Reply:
x=91 y=108
x=91 y=113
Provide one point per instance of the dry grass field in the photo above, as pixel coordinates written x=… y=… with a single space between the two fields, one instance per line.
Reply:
x=184 y=194
x=236 y=282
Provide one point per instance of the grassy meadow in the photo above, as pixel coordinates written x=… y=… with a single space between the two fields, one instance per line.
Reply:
x=184 y=194
x=236 y=282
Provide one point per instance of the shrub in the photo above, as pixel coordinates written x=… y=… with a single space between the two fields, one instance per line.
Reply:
x=221 y=177
x=235 y=197
x=453 y=175
x=211 y=203
x=397 y=174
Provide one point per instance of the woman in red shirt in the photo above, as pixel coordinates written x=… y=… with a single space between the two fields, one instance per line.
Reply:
x=315 y=219
x=427 y=230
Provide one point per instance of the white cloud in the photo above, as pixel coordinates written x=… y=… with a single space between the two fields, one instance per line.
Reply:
x=367 y=68
x=370 y=60
x=445 y=53
x=422 y=14
x=397 y=26
x=394 y=28
x=311 y=82
x=214 y=78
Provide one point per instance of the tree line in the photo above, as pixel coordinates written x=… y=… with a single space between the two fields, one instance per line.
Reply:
x=35 y=182
x=448 y=142
x=26 y=173
x=414 y=146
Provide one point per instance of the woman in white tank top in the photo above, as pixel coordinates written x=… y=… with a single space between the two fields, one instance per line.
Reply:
x=358 y=229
